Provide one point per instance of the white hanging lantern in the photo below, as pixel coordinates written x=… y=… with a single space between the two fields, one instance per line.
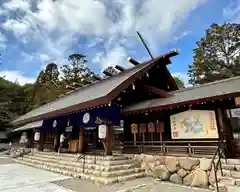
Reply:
x=102 y=131
x=37 y=136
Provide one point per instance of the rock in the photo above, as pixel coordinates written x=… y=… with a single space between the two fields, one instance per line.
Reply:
x=182 y=173
x=188 y=163
x=161 y=172
x=149 y=158
x=172 y=164
x=187 y=180
x=200 y=179
x=161 y=159
x=205 y=164
x=175 y=178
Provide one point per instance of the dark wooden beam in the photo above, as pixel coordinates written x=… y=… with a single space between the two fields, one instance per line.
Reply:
x=156 y=91
x=120 y=68
x=107 y=73
x=172 y=53
x=131 y=60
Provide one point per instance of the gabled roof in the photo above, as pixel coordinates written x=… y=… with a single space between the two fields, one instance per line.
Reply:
x=100 y=92
x=35 y=124
x=212 y=90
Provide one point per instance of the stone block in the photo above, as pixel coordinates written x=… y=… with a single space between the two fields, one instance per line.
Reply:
x=175 y=178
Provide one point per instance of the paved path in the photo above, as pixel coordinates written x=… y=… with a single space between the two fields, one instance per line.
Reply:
x=19 y=178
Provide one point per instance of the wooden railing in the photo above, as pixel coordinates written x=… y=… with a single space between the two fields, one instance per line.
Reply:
x=181 y=148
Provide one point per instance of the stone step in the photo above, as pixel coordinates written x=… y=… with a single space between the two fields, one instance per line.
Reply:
x=98 y=179
x=93 y=159
x=231 y=161
x=235 y=174
x=231 y=167
x=227 y=180
x=233 y=188
x=87 y=169
x=87 y=164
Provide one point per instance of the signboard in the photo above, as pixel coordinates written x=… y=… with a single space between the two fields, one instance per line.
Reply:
x=194 y=124
x=102 y=131
x=142 y=128
x=134 y=128
x=160 y=127
x=68 y=128
x=235 y=113
x=151 y=127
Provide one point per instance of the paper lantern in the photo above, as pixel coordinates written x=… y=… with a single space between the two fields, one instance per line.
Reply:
x=102 y=131
x=37 y=136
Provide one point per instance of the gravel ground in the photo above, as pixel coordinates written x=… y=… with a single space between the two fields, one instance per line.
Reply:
x=5 y=160
x=140 y=185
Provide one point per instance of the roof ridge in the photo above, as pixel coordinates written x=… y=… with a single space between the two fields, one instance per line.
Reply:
x=206 y=84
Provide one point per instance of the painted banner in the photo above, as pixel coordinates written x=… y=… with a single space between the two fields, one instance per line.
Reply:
x=88 y=118
x=194 y=124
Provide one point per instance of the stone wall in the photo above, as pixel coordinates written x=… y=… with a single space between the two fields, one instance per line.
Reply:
x=195 y=172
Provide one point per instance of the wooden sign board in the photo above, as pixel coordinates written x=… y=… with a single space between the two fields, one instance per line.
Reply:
x=160 y=127
x=134 y=128
x=151 y=127
x=142 y=128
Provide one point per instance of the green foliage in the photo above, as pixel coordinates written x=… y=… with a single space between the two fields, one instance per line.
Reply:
x=179 y=82
x=217 y=54
x=16 y=100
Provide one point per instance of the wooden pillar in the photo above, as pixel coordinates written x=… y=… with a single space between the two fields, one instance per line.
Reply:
x=109 y=140
x=41 y=141
x=81 y=141
x=56 y=140
x=224 y=130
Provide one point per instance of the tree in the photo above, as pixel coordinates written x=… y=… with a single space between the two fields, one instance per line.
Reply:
x=179 y=82
x=74 y=71
x=12 y=102
x=217 y=54
x=46 y=87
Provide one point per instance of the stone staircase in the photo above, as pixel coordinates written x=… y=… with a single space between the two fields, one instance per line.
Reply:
x=231 y=175
x=100 y=169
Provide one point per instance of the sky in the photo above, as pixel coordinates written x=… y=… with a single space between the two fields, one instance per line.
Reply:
x=34 y=33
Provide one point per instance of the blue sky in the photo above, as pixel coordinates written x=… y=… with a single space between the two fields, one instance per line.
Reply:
x=35 y=33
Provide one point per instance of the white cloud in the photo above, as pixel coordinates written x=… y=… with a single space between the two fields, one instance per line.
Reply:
x=16 y=4
x=232 y=11
x=16 y=76
x=44 y=57
x=181 y=36
x=56 y=25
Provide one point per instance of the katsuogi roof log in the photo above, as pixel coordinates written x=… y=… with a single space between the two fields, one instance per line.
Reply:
x=107 y=73
x=120 y=68
x=131 y=60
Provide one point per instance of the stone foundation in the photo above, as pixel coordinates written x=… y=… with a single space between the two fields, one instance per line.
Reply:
x=195 y=172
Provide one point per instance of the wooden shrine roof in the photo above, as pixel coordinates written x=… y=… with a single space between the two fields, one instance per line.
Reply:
x=97 y=93
x=209 y=91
